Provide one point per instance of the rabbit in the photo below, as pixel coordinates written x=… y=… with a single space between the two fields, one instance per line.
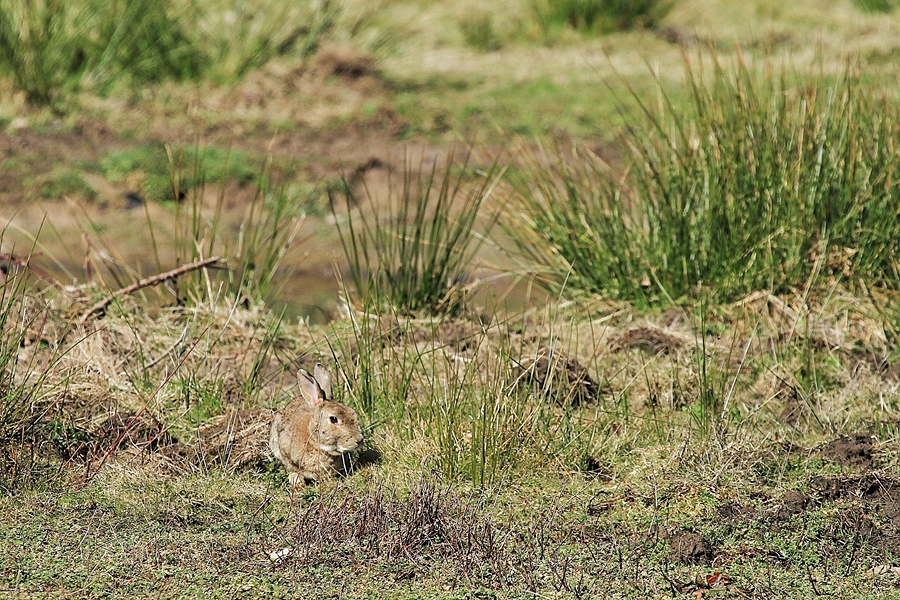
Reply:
x=313 y=435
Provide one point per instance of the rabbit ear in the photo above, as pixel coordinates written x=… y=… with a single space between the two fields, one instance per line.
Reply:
x=323 y=378
x=311 y=390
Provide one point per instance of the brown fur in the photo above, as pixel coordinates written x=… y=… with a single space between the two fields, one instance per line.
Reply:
x=314 y=435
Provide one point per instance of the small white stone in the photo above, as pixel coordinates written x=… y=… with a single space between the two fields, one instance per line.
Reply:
x=279 y=555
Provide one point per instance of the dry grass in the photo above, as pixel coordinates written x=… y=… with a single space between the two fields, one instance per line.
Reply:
x=613 y=488
x=575 y=449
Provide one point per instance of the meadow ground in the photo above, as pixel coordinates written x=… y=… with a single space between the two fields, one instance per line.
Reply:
x=642 y=342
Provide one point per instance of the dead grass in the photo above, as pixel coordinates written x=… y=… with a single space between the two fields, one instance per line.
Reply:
x=559 y=451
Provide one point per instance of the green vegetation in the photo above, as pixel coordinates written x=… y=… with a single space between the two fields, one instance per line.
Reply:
x=876 y=6
x=26 y=419
x=264 y=236
x=479 y=31
x=193 y=167
x=600 y=16
x=700 y=401
x=49 y=45
x=414 y=253
x=760 y=180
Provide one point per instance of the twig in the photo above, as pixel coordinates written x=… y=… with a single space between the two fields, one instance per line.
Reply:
x=26 y=264
x=99 y=307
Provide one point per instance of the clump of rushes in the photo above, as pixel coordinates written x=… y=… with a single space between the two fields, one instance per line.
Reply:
x=34 y=49
x=47 y=46
x=599 y=16
x=569 y=217
x=265 y=234
x=24 y=411
x=414 y=252
x=759 y=179
x=876 y=6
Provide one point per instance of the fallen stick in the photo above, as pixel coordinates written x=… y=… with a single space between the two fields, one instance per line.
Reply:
x=100 y=306
x=26 y=264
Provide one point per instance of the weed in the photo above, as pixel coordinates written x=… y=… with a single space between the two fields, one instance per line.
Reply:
x=414 y=253
x=478 y=31
x=599 y=16
x=757 y=182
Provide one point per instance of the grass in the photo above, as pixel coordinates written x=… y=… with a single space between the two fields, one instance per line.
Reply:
x=25 y=414
x=752 y=182
x=876 y=6
x=599 y=16
x=265 y=233
x=34 y=51
x=471 y=454
x=479 y=31
x=51 y=47
x=677 y=419
x=151 y=168
x=414 y=254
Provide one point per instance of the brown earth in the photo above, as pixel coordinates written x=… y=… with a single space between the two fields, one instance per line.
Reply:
x=307 y=114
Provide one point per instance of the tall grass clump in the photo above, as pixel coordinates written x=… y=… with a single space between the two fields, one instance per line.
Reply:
x=238 y=37
x=479 y=32
x=461 y=415
x=758 y=179
x=570 y=218
x=254 y=247
x=25 y=413
x=35 y=49
x=49 y=46
x=876 y=6
x=599 y=16
x=413 y=253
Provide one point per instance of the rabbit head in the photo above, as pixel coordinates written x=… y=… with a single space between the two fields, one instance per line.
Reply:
x=333 y=428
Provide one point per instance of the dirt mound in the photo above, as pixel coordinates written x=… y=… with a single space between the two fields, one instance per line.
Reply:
x=689 y=548
x=853 y=451
x=650 y=338
x=870 y=487
x=793 y=503
x=877 y=364
x=555 y=375
x=344 y=62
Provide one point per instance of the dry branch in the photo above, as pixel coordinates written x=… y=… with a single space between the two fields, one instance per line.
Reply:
x=26 y=264
x=100 y=306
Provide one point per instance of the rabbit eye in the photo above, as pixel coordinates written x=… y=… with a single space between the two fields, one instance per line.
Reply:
x=333 y=419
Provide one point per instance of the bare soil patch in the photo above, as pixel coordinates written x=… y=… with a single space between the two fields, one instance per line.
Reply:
x=852 y=451
x=689 y=548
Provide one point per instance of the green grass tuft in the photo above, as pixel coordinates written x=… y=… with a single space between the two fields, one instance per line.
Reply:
x=753 y=181
x=50 y=46
x=414 y=253
x=599 y=16
x=479 y=32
